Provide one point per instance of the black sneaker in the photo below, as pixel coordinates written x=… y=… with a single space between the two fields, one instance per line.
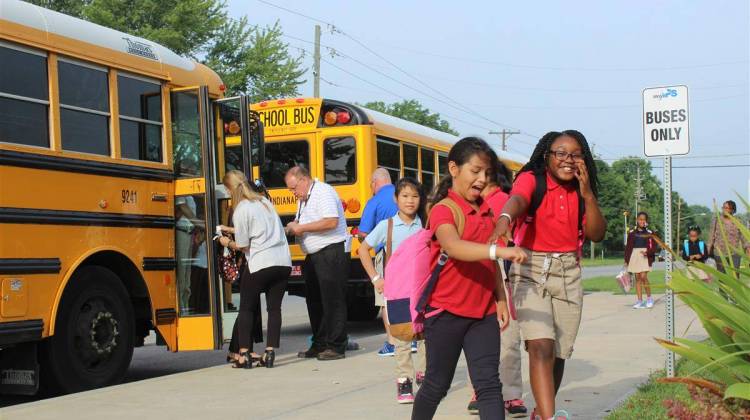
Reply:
x=310 y=353
x=330 y=355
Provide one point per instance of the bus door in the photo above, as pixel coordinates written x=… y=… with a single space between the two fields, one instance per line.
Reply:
x=239 y=146
x=195 y=216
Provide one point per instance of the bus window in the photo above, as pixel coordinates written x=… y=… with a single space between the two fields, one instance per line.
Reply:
x=282 y=156
x=24 y=101
x=389 y=157
x=84 y=107
x=340 y=161
x=428 y=169
x=411 y=161
x=442 y=164
x=140 y=119
x=186 y=138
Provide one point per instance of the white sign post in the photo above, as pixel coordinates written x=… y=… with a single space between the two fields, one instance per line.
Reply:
x=666 y=133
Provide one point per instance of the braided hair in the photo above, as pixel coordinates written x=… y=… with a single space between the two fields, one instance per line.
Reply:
x=538 y=160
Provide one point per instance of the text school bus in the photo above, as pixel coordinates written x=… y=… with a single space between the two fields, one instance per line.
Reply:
x=342 y=144
x=110 y=151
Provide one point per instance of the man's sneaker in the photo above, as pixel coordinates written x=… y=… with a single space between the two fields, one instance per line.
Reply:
x=561 y=415
x=420 y=378
x=330 y=355
x=404 y=391
x=639 y=305
x=473 y=406
x=650 y=302
x=310 y=353
x=387 y=350
x=414 y=346
x=515 y=408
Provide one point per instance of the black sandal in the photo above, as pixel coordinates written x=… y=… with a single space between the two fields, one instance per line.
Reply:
x=247 y=364
x=268 y=358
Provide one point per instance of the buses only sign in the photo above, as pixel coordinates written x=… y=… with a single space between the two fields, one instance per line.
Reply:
x=665 y=121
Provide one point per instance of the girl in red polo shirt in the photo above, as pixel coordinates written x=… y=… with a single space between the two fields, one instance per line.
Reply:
x=462 y=313
x=548 y=293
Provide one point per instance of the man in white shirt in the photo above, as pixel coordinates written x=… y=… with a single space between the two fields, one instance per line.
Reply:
x=321 y=226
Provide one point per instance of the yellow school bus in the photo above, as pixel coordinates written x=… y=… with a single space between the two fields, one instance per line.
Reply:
x=111 y=147
x=342 y=144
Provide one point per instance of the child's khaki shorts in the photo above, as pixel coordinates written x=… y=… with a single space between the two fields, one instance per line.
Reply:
x=548 y=297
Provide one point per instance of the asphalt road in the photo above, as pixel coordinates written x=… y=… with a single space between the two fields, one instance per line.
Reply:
x=152 y=361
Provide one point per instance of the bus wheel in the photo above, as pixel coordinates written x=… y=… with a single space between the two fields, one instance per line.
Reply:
x=93 y=341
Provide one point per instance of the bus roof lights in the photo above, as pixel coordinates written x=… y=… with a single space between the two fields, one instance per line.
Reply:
x=330 y=118
x=343 y=117
x=281 y=101
x=222 y=87
x=300 y=100
x=263 y=104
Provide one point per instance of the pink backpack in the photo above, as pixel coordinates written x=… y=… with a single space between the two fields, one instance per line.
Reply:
x=409 y=282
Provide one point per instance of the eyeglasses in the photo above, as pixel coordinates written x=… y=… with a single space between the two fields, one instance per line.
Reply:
x=562 y=155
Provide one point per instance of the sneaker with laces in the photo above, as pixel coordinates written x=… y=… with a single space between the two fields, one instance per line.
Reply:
x=515 y=408
x=387 y=350
x=414 y=346
x=473 y=406
x=639 y=305
x=650 y=302
x=420 y=378
x=404 y=391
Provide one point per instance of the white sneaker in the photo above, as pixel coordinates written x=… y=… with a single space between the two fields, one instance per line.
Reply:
x=650 y=303
x=638 y=305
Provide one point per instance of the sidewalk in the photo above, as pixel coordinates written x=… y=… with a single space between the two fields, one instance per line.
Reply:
x=614 y=352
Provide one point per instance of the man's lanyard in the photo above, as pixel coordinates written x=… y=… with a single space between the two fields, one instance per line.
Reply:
x=303 y=204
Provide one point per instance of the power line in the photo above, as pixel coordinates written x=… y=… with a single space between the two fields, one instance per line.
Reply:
x=685 y=157
x=705 y=166
x=557 y=68
x=453 y=104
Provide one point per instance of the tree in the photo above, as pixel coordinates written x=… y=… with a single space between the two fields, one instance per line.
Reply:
x=255 y=61
x=412 y=110
x=69 y=7
x=184 y=26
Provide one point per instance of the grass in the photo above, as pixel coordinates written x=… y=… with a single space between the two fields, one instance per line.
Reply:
x=588 y=262
x=648 y=401
x=609 y=284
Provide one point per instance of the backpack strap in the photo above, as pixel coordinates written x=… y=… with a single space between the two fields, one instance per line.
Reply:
x=540 y=190
x=389 y=242
x=702 y=247
x=458 y=214
x=686 y=248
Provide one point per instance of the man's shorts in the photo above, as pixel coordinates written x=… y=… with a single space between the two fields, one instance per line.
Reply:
x=548 y=297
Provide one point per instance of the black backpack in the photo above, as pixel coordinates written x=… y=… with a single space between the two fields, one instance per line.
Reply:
x=538 y=196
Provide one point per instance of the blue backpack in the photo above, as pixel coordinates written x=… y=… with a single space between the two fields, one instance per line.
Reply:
x=686 y=247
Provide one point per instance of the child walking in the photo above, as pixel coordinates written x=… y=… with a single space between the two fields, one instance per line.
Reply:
x=640 y=251
x=554 y=201
x=467 y=307
x=410 y=200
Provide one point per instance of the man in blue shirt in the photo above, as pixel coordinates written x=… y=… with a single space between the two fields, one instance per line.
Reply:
x=380 y=207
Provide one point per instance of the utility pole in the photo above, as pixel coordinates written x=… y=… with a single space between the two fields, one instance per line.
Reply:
x=316 y=65
x=638 y=189
x=505 y=134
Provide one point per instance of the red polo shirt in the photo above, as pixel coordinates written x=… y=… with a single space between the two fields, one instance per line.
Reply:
x=555 y=226
x=496 y=200
x=465 y=288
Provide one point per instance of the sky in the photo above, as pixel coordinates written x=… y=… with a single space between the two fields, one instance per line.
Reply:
x=540 y=66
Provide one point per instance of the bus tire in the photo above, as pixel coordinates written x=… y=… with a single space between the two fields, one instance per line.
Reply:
x=363 y=309
x=93 y=342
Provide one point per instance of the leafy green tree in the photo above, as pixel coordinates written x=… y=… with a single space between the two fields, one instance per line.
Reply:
x=254 y=61
x=69 y=7
x=412 y=110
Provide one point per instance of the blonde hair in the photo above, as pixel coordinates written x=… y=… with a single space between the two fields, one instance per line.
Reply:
x=239 y=188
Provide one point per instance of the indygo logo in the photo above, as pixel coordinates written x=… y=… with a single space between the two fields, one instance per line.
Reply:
x=666 y=94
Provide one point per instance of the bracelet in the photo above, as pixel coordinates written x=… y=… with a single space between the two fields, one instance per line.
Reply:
x=493 y=251
x=510 y=219
x=376 y=278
